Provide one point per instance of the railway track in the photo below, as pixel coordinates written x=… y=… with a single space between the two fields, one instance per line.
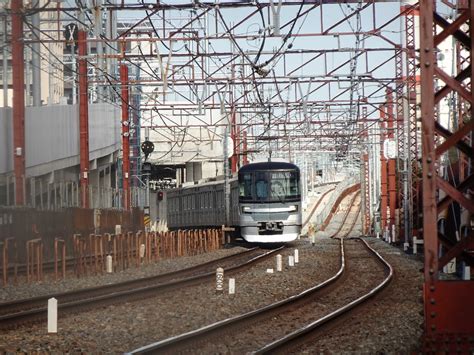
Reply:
x=31 y=310
x=296 y=312
x=347 y=225
x=277 y=316
x=345 y=228
x=316 y=205
x=307 y=333
x=15 y=272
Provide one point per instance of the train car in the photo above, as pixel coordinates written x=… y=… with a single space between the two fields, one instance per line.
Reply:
x=265 y=203
x=269 y=202
x=201 y=205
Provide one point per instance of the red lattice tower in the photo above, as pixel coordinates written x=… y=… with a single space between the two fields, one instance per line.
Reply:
x=383 y=172
x=414 y=173
x=365 y=159
x=400 y=99
x=406 y=121
x=364 y=140
x=447 y=304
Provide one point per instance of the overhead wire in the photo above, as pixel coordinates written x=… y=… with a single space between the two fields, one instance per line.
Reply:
x=107 y=76
x=111 y=79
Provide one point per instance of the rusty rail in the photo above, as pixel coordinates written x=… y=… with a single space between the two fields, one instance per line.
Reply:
x=34 y=259
x=59 y=243
x=6 y=260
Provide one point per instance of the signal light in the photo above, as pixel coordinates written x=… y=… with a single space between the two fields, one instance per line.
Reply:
x=160 y=195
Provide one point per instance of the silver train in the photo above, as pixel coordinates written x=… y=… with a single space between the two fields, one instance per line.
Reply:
x=265 y=203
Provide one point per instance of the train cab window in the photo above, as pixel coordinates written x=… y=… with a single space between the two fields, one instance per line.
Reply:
x=245 y=186
x=284 y=184
x=294 y=184
x=261 y=186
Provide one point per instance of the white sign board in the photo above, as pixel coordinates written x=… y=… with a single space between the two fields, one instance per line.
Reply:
x=230 y=146
x=390 y=149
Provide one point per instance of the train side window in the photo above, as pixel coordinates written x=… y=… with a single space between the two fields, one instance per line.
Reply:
x=220 y=198
x=245 y=185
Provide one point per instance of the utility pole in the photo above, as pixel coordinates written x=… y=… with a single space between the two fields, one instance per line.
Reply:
x=18 y=70
x=392 y=185
x=234 y=159
x=125 y=136
x=83 y=117
x=5 y=62
x=245 y=159
x=36 y=60
x=226 y=177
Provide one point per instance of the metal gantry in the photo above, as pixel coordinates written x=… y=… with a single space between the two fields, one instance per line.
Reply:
x=215 y=66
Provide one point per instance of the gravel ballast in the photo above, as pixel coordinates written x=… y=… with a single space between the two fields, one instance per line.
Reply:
x=392 y=326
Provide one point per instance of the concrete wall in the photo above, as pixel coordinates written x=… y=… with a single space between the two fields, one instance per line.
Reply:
x=52 y=136
x=201 y=141
x=6 y=140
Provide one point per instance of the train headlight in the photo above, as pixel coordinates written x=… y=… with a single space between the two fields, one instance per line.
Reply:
x=245 y=209
x=293 y=208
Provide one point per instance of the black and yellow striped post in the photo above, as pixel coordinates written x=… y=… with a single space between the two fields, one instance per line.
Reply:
x=146 y=219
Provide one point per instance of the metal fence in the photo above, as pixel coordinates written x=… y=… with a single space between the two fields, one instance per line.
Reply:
x=64 y=194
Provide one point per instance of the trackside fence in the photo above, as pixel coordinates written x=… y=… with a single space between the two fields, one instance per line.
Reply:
x=90 y=254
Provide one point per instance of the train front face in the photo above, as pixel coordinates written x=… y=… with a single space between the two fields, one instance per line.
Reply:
x=269 y=202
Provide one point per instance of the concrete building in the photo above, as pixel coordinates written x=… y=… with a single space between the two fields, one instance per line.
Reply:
x=52 y=126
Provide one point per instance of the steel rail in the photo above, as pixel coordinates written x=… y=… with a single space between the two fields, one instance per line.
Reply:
x=316 y=206
x=345 y=219
x=74 y=300
x=296 y=336
x=182 y=340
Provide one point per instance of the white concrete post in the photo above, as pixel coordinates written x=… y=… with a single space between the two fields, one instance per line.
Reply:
x=297 y=256
x=414 y=245
x=109 y=264
x=291 y=260
x=219 y=279
x=52 y=315
x=278 y=262
x=467 y=273
x=231 y=286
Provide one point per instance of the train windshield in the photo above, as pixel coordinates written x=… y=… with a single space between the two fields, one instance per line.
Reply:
x=269 y=186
